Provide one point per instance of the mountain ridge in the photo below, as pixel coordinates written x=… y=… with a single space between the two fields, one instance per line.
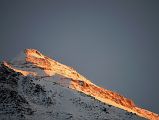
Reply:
x=45 y=98
x=36 y=64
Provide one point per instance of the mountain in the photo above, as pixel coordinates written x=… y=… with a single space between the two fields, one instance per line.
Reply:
x=33 y=86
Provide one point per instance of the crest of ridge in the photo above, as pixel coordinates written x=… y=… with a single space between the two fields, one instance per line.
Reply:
x=35 y=63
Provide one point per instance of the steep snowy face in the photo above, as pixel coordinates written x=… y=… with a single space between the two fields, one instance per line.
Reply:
x=45 y=98
x=33 y=63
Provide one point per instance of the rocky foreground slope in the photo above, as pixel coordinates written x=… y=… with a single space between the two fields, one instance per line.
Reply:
x=33 y=86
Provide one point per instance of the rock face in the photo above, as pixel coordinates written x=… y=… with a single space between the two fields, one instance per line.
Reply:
x=33 y=86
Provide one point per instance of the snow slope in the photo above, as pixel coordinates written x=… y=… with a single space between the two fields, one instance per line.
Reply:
x=40 y=69
x=47 y=98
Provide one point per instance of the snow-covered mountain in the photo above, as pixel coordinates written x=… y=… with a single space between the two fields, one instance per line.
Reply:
x=35 y=87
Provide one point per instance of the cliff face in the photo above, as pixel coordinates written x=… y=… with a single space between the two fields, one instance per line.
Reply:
x=37 y=65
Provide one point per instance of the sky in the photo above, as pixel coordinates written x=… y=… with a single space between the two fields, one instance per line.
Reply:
x=114 y=43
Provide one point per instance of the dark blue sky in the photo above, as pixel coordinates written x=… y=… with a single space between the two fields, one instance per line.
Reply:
x=115 y=43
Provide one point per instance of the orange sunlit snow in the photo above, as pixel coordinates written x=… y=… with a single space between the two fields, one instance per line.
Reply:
x=79 y=82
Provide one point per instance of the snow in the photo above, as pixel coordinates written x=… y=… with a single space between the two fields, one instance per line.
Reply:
x=46 y=98
x=49 y=96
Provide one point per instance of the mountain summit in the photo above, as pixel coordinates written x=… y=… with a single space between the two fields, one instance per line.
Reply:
x=33 y=80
